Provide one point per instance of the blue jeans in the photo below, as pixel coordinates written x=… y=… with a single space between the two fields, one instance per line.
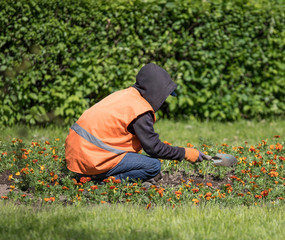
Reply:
x=133 y=166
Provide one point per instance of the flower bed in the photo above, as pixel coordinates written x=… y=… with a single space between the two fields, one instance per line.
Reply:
x=35 y=173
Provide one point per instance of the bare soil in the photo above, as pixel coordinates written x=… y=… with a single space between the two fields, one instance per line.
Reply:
x=4 y=183
x=167 y=179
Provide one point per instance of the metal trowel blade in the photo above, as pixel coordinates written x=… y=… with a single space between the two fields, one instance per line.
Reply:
x=226 y=160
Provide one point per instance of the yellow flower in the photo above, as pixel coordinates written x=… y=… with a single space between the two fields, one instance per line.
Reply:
x=18 y=174
x=10 y=177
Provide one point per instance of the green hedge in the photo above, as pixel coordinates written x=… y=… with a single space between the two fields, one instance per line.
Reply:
x=58 y=57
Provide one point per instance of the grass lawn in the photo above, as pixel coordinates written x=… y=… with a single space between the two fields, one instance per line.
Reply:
x=133 y=222
x=127 y=221
x=178 y=133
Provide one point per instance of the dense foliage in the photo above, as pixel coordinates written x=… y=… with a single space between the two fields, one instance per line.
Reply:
x=57 y=58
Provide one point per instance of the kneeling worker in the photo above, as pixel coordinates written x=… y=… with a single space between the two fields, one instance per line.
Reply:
x=106 y=139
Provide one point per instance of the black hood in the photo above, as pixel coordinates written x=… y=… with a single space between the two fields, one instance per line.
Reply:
x=154 y=84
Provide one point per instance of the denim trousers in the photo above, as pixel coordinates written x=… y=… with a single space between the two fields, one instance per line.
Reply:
x=133 y=166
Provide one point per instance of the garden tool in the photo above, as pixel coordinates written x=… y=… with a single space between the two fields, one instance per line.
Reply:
x=225 y=160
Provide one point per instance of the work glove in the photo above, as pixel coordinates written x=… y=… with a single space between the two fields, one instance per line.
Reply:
x=193 y=155
x=202 y=157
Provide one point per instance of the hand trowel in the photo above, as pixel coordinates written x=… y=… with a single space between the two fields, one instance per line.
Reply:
x=225 y=160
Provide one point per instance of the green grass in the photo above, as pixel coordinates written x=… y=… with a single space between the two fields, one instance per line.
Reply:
x=234 y=133
x=132 y=222
x=179 y=133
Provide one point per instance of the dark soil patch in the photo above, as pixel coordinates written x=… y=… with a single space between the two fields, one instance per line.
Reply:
x=4 y=177
x=4 y=183
x=177 y=178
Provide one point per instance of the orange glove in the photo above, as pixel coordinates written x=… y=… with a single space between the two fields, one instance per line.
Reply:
x=191 y=154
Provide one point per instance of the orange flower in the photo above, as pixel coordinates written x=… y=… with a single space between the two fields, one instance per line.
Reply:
x=54 y=178
x=208 y=196
x=160 y=192
x=209 y=184
x=229 y=188
x=165 y=142
x=112 y=187
x=102 y=202
x=4 y=197
x=148 y=206
x=190 y=145
x=94 y=187
x=195 y=190
x=52 y=199
x=128 y=194
x=273 y=174
x=65 y=188
x=264 y=193
x=252 y=149
x=263 y=170
x=83 y=180
x=278 y=147
x=80 y=190
x=195 y=200
x=258 y=196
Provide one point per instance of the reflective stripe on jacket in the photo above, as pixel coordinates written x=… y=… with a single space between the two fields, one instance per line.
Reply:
x=99 y=140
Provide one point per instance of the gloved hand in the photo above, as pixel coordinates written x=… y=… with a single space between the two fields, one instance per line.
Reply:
x=202 y=157
x=191 y=155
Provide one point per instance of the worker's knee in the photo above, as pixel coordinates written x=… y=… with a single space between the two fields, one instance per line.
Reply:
x=156 y=167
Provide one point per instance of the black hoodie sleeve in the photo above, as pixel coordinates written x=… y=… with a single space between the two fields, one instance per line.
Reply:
x=143 y=128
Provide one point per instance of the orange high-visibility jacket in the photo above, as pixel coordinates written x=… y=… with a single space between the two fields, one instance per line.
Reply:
x=99 y=140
